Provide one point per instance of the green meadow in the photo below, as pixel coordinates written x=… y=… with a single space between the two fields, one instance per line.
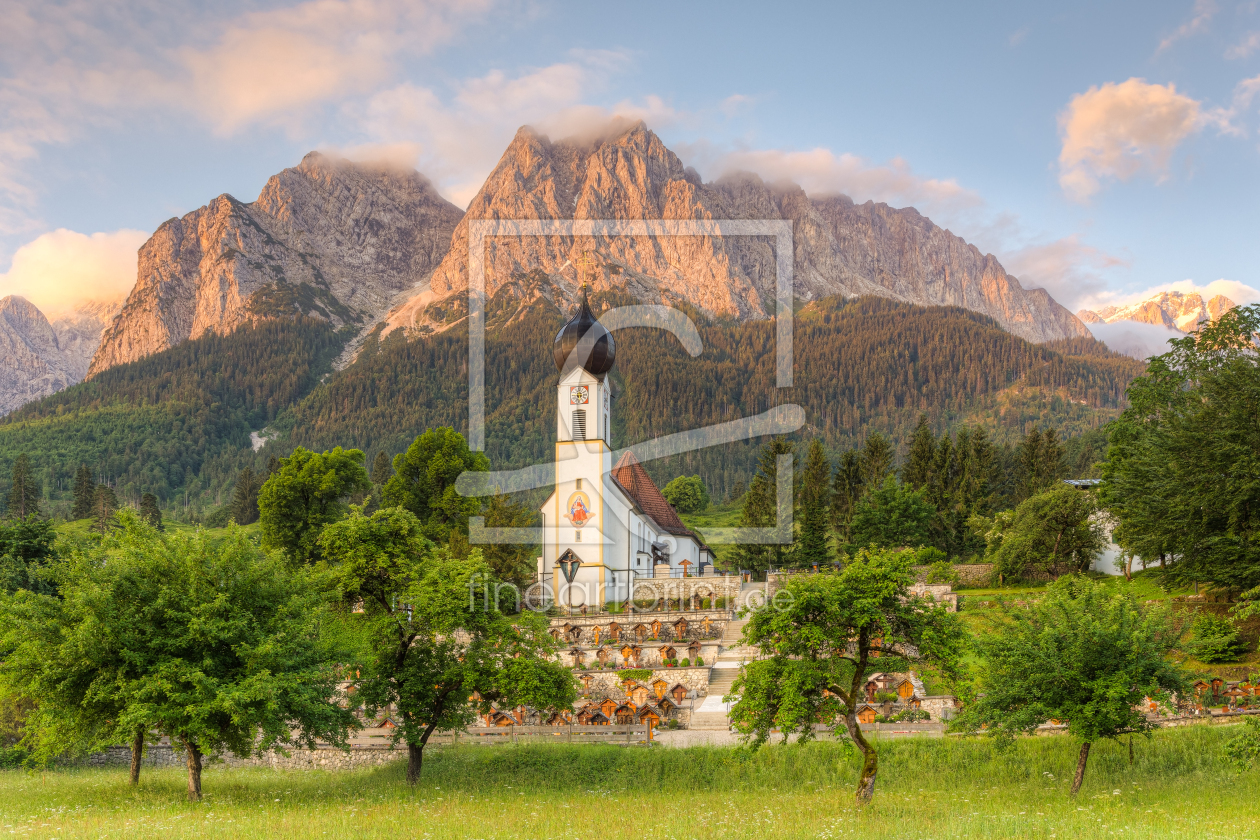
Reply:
x=1178 y=786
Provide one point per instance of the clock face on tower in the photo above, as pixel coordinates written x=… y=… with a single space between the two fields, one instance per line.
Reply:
x=579 y=395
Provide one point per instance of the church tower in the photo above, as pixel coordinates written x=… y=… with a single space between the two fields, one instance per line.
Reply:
x=578 y=519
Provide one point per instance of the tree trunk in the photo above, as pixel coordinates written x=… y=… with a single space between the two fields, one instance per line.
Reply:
x=137 y=753
x=870 y=760
x=194 y=771
x=1080 y=768
x=415 y=756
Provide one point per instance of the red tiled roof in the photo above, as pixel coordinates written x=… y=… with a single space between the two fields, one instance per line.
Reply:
x=629 y=473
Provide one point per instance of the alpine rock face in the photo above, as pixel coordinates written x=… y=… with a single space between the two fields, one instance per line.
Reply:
x=328 y=238
x=1174 y=310
x=39 y=357
x=839 y=247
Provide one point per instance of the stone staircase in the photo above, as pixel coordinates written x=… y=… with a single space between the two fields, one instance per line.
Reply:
x=721 y=676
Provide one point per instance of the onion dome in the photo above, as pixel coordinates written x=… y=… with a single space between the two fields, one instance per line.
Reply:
x=583 y=342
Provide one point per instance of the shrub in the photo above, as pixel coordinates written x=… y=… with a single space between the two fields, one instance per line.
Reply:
x=911 y=716
x=687 y=494
x=1215 y=639
x=699 y=660
x=941 y=571
x=1244 y=747
x=686 y=663
x=219 y=517
x=928 y=555
x=885 y=696
x=639 y=674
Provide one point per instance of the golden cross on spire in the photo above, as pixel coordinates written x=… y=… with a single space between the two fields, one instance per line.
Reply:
x=585 y=264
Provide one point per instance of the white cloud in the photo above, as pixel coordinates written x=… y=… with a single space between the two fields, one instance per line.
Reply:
x=1249 y=44
x=821 y=171
x=1239 y=293
x=1117 y=131
x=1134 y=339
x=1202 y=14
x=1070 y=270
x=62 y=268
x=69 y=68
x=456 y=140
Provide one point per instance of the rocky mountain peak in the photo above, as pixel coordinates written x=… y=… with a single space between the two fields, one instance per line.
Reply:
x=629 y=174
x=38 y=357
x=1175 y=310
x=327 y=238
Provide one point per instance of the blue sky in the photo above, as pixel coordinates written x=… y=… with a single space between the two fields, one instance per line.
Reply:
x=1099 y=152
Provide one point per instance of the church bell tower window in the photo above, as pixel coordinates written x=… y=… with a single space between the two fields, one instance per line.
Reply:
x=579 y=424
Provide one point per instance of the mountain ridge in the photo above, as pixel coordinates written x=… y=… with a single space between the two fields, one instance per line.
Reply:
x=839 y=247
x=1172 y=309
x=39 y=357
x=327 y=238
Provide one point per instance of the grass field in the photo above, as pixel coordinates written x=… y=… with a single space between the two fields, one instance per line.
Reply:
x=1178 y=787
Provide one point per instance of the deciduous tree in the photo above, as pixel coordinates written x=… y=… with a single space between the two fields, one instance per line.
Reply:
x=1180 y=478
x=26 y=553
x=892 y=516
x=308 y=492
x=424 y=482
x=821 y=638
x=1083 y=654
x=434 y=630
x=687 y=494
x=216 y=645
x=1054 y=532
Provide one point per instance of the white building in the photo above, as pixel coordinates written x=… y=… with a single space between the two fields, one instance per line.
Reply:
x=611 y=519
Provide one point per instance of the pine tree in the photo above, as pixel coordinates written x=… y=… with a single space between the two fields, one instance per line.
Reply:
x=149 y=510
x=918 y=469
x=1030 y=459
x=1054 y=465
x=382 y=468
x=245 y=498
x=877 y=460
x=511 y=562
x=273 y=464
x=944 y=473
x=761 y=508
x=84 y=486
x=25 y=491
x=813 y=547
x=104 y=504
x=846 y=490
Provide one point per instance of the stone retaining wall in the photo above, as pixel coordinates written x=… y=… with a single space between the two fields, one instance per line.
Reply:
x=969 y=574
x=708 y=586
x=321 y=758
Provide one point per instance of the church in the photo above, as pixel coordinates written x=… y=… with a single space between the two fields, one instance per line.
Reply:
x=605 y=525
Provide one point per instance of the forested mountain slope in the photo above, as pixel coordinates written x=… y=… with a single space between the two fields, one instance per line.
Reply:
x=860 y=365
x=180 y=420
x=176 y=421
